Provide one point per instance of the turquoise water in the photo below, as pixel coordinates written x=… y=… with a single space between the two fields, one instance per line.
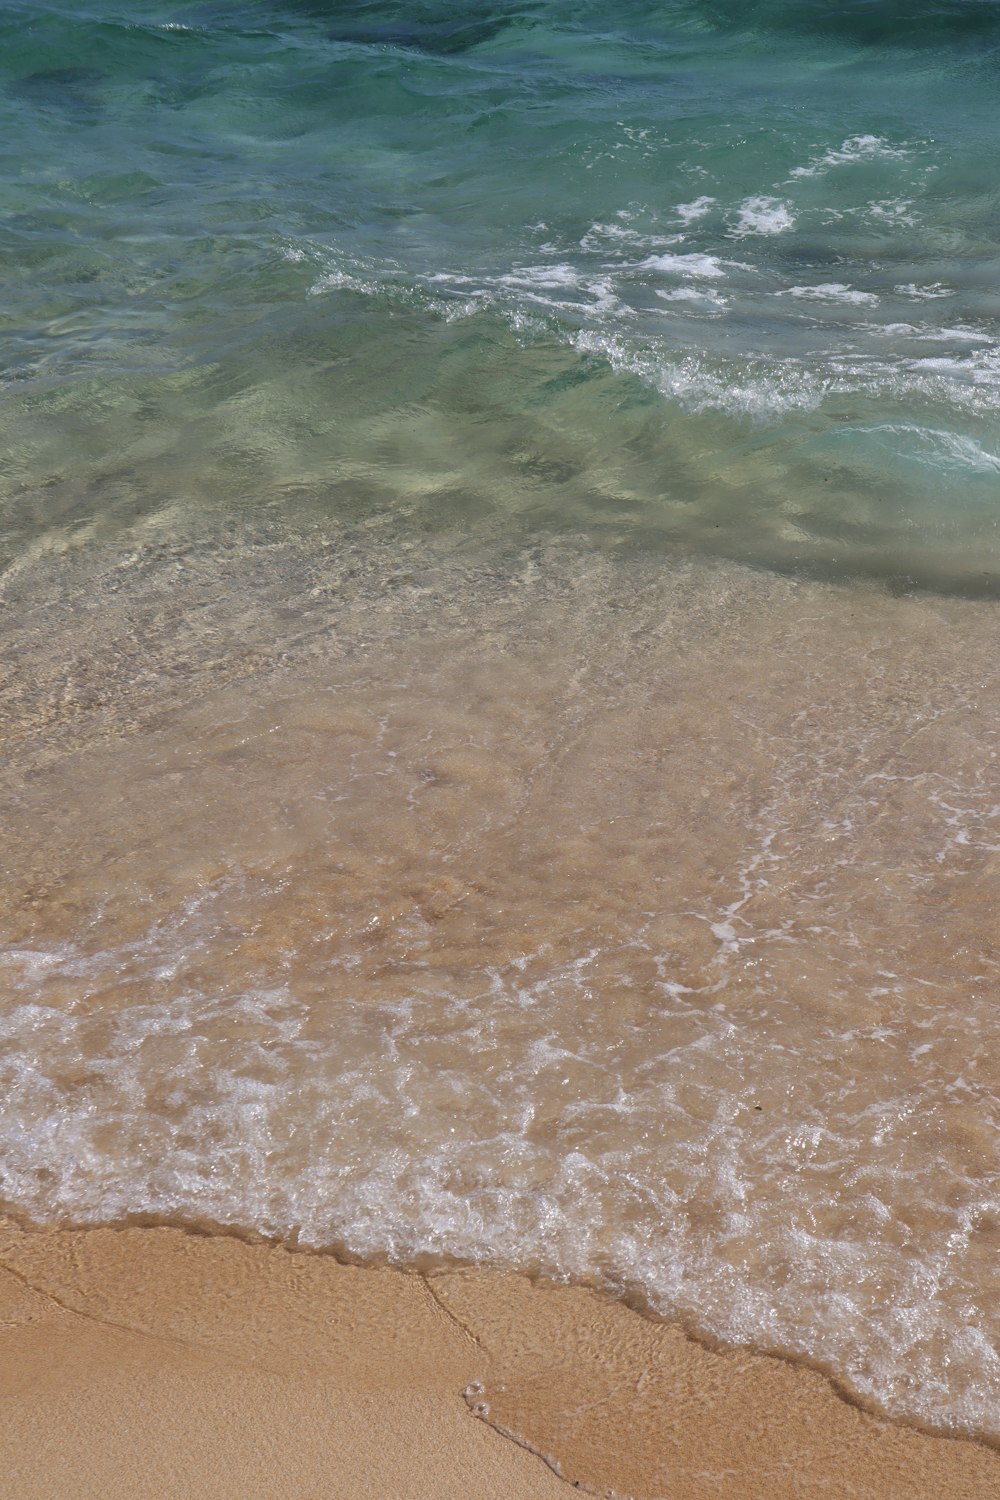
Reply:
x=709 y=277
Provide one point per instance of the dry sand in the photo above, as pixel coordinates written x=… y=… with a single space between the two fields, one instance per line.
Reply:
x=151 y=1362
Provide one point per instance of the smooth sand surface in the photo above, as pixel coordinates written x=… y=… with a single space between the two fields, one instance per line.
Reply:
x=150 y=1362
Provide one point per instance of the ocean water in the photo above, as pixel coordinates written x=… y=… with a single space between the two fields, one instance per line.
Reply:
x=499 y=538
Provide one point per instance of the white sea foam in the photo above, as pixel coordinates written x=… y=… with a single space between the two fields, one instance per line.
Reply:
x=601 y=315
x=951 y=364
x=855 y=148
x=237 y=1110
x=602 y=310
x=693 y=264
x=962 y=332
x=332 y=281
x=599 y=233
x=615 y=238
x=689 y=212
x=938 y=447
x=966 y=453
x=967 y=383
x=831 y=291
x=933 y=333
x=892 y=211
x=751 y=389
x=534 y=283
x=762 y=215
x=927 y=293
x=618 y=239
x=694 y=294
x=543 y=276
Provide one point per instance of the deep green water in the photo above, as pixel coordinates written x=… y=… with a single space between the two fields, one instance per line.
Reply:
x=694 y=276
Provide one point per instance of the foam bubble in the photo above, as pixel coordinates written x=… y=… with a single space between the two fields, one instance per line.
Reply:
x=614 y=1063
x=929 y=293
x=693 y=264
x=893 y=211
x=707 y=294
x=831 y=291
x=751 y=389
x=940 y=448
x=762 y=215
x=542 y=276
x=689 y=212
x=932 y=333
x=855 y=148
x=332 y=281
x=237 y=1109
x=615 y=238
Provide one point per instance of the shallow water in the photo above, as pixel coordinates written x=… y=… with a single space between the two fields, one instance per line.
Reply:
x=500 y=671
x=643 y=933
x=683 y=275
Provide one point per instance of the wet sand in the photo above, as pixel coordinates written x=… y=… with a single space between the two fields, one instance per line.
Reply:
x=144 y=1362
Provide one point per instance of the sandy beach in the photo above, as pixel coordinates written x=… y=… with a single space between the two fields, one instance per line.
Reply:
x=147 y=1362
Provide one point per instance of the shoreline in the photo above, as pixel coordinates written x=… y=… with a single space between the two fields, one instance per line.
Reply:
x=136 y=1358
x=774 y=844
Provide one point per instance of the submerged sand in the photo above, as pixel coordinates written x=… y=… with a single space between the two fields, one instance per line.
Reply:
x=627 y=921
x=146 y=1362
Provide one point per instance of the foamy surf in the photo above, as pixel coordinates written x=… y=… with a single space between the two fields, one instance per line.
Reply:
x=513 y=968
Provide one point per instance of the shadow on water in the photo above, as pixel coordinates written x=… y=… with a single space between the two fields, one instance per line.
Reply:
x=71 y=91
x=902 y=23
x=435 y=29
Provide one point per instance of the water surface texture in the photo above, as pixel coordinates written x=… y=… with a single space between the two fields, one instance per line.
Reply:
x=499 y=539
x=733 y=267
